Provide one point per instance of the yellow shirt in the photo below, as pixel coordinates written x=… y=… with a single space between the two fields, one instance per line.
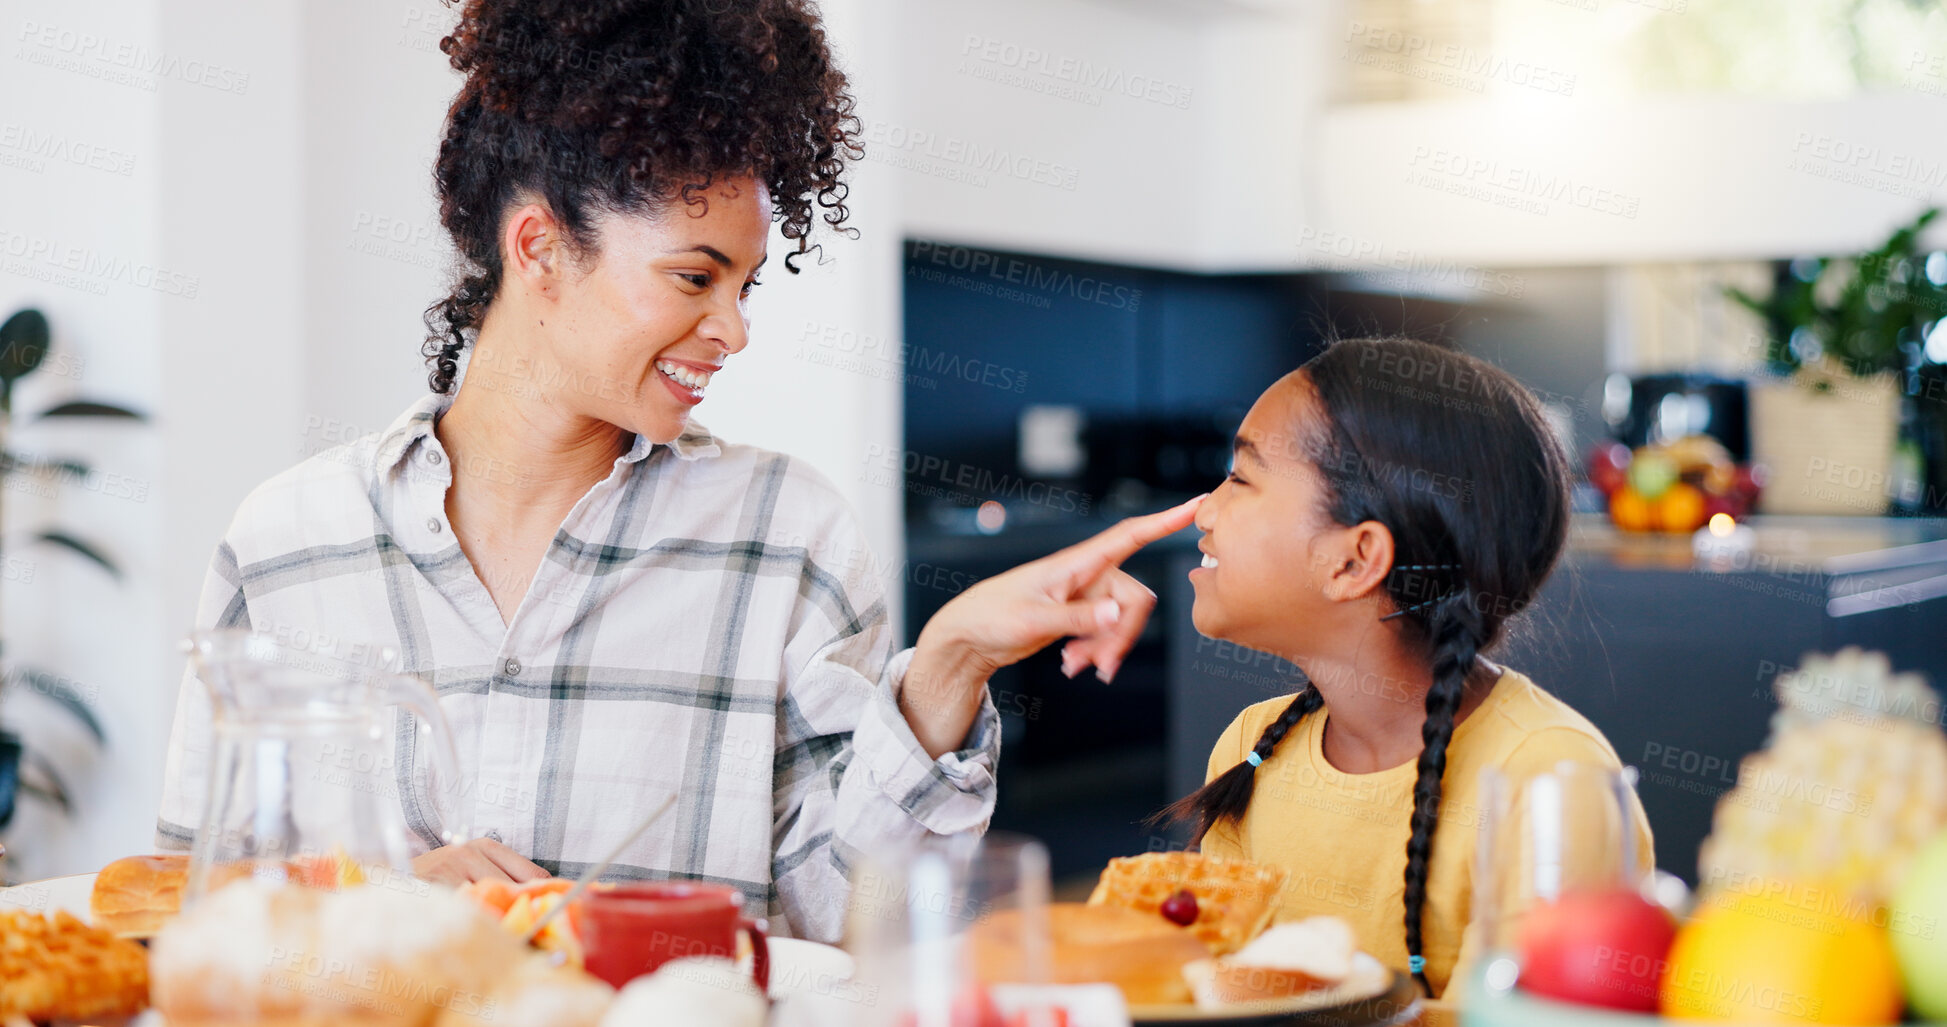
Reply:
x=1343 y=836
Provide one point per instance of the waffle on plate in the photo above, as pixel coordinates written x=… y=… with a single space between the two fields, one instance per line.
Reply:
x=1236 y=899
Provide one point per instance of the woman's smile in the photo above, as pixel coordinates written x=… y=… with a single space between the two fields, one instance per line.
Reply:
x=685 y=379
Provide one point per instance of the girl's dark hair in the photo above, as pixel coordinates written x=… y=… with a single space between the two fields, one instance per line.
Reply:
x=1455 y=458
x=620 y=105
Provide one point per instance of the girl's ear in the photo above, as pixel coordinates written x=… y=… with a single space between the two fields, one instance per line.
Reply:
x=1361 y=558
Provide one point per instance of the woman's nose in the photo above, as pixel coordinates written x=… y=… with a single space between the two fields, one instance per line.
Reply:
x=728 y=329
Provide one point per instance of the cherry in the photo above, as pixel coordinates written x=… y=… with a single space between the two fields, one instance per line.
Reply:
x=1180 y=908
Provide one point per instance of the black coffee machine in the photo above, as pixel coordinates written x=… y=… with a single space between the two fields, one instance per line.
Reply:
x=1651 y=407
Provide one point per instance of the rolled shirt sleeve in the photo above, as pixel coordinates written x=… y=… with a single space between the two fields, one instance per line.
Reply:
x=851 y=778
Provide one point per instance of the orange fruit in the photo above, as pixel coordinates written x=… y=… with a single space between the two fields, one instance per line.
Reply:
x=1681 y=508
x=1789 y=955
x=1631 y=511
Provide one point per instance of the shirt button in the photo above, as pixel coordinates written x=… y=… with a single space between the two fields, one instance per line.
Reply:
x=433 y=457
x=433 y=525
x=512 y=667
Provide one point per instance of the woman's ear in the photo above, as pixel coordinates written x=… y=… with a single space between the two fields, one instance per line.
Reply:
x=532 y=244
x=1361 y=558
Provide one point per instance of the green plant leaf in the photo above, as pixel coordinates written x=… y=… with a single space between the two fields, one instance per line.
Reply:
x=23 y=345
x=75 y=545
x=57 y=688
x=90 y=408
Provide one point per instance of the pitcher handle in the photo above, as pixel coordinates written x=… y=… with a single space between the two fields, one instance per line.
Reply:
x=419 y=697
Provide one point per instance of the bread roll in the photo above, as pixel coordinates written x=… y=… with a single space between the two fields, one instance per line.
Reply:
x=134 y=896
x=1140 y=953
x=1289 y=959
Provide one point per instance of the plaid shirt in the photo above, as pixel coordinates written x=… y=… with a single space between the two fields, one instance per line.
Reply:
x=706 y=621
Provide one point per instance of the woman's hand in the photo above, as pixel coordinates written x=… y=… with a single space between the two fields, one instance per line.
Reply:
x=481 y=859
x=1078 y=593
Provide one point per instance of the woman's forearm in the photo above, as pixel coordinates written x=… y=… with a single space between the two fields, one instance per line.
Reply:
x=942 y=692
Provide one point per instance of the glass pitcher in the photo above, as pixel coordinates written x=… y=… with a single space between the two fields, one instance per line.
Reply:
x=302 y=788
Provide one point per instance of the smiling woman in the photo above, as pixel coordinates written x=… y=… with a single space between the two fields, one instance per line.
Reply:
x=613 y=604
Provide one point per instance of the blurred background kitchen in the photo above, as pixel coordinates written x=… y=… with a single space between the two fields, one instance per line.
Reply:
x=1092 y=232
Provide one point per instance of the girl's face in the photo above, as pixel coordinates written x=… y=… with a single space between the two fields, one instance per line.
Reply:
x=637 y=336
x=1269 y=547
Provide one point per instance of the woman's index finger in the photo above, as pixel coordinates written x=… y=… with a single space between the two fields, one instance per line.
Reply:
x=1085 y=560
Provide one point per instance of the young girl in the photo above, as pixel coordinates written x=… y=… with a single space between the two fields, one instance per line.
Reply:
x=1391 y=505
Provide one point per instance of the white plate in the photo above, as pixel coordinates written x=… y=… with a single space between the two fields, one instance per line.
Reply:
x=69 y=893
x=800 y=967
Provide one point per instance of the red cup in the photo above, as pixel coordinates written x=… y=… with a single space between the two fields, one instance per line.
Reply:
x=632 y=929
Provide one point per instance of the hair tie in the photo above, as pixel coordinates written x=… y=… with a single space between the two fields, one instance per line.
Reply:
x=1416 y=964
x=1253 y=759
x=1426 y=566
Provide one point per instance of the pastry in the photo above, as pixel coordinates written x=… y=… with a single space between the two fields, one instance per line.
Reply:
x=58 y=968
x=1234 y=899
x=259 y=952
x=1286 y=960
x=133 y=896
x=1140 y=953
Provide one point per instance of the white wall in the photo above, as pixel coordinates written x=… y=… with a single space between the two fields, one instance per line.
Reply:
x=78 y=239
x=164 y=286
x=1015 y=126
x=1650 y=179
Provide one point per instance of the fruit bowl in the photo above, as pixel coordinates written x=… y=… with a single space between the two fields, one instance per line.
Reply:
x=1673 y=486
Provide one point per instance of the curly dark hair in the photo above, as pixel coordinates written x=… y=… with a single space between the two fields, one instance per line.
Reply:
x=620 y=105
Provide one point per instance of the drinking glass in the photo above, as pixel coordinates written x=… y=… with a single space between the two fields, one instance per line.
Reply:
x=910 y=925
x=1570 y=829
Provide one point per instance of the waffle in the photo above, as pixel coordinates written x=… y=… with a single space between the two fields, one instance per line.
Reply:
x=63 y=969
x=1236 y=899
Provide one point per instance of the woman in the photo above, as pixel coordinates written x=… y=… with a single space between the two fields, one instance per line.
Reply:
x=612 y=603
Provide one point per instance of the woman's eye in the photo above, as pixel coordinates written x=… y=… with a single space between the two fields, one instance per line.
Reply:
x=700 y=281
x=1232 y=476
x=748 y=286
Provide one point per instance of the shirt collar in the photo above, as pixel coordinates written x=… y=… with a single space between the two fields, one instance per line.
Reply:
x=396 y=442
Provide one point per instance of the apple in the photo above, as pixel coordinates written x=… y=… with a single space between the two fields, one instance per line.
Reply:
x=1609 y=467
x=1651 y=472
x=1918 y=929
x=1599 y=948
